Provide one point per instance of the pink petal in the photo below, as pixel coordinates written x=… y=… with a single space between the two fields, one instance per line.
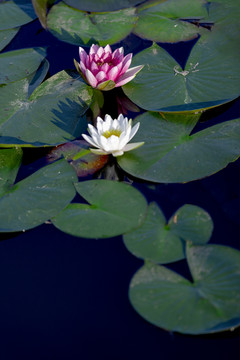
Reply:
x=93 y=49
x=83 y=55
x=100 y=51
x=108 y=49
x=91 y=78
x=105 y=68
x=101 y=76
x=126 y=63
x=128 y=76
x=82 y=67
x=113 y=73
x=94 y=68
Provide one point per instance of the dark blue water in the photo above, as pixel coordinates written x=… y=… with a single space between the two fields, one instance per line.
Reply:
x=67 y=298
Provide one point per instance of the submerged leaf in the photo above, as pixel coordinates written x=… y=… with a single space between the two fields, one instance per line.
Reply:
x=77 y=153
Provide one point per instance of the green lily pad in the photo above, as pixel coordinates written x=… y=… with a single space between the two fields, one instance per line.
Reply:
x=210 y=78
x=16 y=13
x=171 y=155
x=167 y=21
x=12 y=95
x=114 y=208
x=6 y=36
x=81 y=28
x=101 y=6
x=77 y=153
x=41 y=7
x=18 y=64
x=10 y=160
x=37 y=198
x=163 y=243
x=54 y=113
x=209 y=304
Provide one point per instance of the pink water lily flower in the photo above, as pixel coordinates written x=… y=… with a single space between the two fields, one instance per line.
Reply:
x=104 y=69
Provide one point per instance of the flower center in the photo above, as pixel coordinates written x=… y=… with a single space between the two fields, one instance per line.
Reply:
x=111 y=132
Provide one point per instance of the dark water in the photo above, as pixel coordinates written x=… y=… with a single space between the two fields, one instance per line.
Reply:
x=67 y=298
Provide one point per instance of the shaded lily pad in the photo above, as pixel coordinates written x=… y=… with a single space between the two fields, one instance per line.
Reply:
x=81 y=28
x=54 y=113
x=210 y=304
x=103 y=5
x=6 y=36
x=210 y=78
x=171 y=155
x=37 y=198
x=77 y=153
x=114 y=208
x=168 y=21
x=16 y=13
x=163 y=243
x=10 y=160
x=17 y=64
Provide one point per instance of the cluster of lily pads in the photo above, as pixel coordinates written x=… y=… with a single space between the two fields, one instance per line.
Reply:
x=54 y=113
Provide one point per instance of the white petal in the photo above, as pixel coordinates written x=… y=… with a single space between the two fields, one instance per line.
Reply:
x=89 y=140
x=104 y=143
x=99 y=124
x=98 y=151
x=92 y=130
x=132 y=146
x=117 y=153
x=134 y=130
x=113 y=142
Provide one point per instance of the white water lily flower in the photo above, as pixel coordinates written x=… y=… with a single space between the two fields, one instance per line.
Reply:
x=112 y=136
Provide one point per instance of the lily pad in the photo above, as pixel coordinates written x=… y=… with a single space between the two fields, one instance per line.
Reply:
x=41 y=8
x=6 y=36
x=17 y=64
x=209 y=304
x=10 y=160
x=81 y=28
x=168 y=21
x=103 y=5
x=163 y=243
x=114 y=208
x=210 y=78
x=54 y=113
x=171 y=155
x=77 y=153
x=12 y=95
x=16 y=13
x=37 y=198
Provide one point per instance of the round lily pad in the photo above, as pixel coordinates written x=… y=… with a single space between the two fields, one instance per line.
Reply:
x=114 y=208
x=209 y=304
x=170 y=153
x=37 y=198
x=54 y=113
x=162 y=242
x=210 y=78
x=81 y=28
x=168 y=21
x=15 y=13
x=18 y=64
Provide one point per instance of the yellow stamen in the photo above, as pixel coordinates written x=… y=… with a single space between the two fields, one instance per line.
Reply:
x=111 y=132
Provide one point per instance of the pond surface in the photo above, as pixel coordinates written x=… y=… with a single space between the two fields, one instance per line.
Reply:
x=65 y=297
